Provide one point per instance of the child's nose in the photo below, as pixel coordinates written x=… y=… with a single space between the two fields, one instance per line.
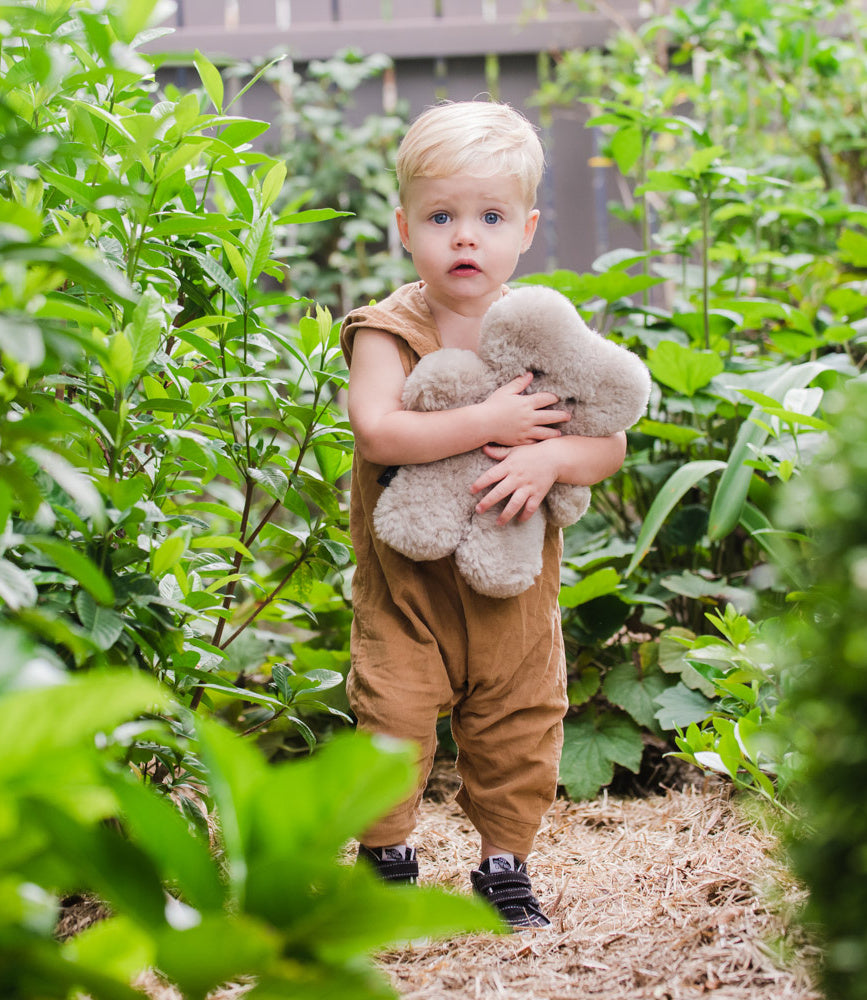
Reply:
x=465 y=235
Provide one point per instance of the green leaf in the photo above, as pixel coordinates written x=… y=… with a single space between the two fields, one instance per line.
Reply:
x=682 y=368
x=734 y=484
x=677 y=485
x=211 y=79
x=16 y=587
x=626 y=147
x=104 y=625
x=625 y=687
x=680 y=705
x=258 y=247
x=168 y=554
x=273 y=184
x=236 y=262
x=144 y=331
x=311 y=215
x=585 y=685
x=73 y=481
x=153 y=822
x=119 y=363
x=79 y=566
x=181 y=224
x=46 y=722
x=593 y=744
x=602 y=581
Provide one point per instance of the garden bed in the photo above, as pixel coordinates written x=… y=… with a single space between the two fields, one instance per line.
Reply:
x=671 y=896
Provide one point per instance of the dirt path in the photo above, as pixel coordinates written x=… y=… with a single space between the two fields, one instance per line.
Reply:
x=671 y=897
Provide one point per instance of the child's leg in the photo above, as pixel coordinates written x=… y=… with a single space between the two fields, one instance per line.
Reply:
x=508 y=727
x=397 y=687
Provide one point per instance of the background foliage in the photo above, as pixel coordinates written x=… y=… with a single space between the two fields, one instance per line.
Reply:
x=172 y=545
x=744 y=291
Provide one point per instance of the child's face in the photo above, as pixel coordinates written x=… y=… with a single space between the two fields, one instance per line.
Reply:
x=465 y=235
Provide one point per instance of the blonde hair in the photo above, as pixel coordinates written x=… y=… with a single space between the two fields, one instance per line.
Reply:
x=481 y=138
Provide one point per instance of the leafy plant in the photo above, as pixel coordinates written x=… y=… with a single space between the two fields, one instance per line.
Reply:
x=172 y=445
x=745 y=297
x=275 y=904
x=334 y=159
x=824 y=646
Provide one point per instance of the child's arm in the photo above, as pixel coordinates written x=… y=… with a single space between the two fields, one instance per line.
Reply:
x=526 y=474
x=387 y=434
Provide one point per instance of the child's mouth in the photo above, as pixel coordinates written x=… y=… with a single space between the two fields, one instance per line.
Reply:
x=464 y=268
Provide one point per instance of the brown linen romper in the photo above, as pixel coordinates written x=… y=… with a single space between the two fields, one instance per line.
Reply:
x=423 y=644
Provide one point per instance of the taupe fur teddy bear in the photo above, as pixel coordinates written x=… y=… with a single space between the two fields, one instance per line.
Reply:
x=427 y=510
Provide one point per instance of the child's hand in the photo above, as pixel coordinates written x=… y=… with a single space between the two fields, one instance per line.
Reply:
x=525 y=474
x=518 y=419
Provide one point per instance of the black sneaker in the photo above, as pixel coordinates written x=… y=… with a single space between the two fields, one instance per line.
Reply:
x=508 y=890
x=393 y=864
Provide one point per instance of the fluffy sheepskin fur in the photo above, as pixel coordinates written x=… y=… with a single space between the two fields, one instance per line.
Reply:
x=427 y=510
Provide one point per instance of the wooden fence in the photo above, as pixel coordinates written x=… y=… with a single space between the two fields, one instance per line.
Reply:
x=453 y=49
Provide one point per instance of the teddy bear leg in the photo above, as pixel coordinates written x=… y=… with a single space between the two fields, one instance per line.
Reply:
x=501 y=560
x=424 y=511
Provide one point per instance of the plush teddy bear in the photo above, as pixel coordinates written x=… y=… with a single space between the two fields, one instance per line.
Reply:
x=427 y=510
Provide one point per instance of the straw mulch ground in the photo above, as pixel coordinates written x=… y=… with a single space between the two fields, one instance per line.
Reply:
x=669 y=897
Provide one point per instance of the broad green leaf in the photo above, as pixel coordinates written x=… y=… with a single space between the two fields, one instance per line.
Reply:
x=211 y=79
x=22 y=341
x=734 y=484
x=593 y=744
x=236 y=262
x=17 y=590
x=180 y=224
x=585 y=685
x=79 y=566
x=668 y=497
x=79 y=486
x=680 y=705
x=625 y=687
x=333 y=932
x=682 y=368
x=626 y=147
x=272 y=480
x=676 y=433
x=39 y=723
x=115 y=947
x=310 y=215
x=852 y=246
x=153 y=822
x=169 y=552
x=119 y=364
x=104 y=625
x=596 y=584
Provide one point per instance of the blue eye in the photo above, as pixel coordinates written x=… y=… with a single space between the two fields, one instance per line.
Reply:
x=440 y=218
x=491 y=218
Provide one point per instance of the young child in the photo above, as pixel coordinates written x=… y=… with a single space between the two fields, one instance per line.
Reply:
x=422 y=642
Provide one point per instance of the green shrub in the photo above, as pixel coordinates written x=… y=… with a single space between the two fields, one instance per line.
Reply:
x=828 y=702
x=743 y=290
x=273 y=903
x=172 y=444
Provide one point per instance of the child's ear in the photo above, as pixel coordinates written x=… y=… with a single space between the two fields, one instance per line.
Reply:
x=530 y=229
x=402 y=227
